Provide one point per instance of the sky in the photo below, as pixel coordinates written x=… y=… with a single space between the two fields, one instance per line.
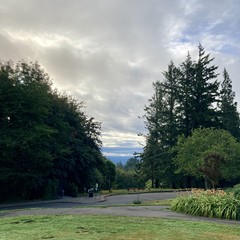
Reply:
x=108 y=53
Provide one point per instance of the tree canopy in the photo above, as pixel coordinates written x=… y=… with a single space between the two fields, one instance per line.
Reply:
x=189 y=97
x=197 y=153
x=47 y=143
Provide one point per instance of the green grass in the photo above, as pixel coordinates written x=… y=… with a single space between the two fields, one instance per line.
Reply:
x=165 y=202
x=70 y=227
x=125 y=191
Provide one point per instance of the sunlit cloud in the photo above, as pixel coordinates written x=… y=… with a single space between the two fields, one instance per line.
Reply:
x=108 y=53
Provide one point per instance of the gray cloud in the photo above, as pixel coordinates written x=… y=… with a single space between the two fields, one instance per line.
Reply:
x=108 y=53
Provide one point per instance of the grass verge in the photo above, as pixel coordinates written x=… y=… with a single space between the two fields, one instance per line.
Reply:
x=165 y=202
x=111 y=227
x=131 y=191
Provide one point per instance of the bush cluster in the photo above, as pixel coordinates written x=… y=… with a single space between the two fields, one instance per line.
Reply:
x=209 y=203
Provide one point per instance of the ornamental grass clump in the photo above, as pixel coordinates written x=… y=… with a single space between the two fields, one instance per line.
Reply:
x=209 y=203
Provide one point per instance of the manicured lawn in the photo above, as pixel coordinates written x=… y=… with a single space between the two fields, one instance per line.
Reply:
x=86 y=227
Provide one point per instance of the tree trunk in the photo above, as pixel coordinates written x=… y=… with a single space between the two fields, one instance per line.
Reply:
x=207 y=186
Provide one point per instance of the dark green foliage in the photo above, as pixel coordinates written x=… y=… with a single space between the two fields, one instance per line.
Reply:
x=128 y=175
x=50 y=189
x=228 y=107
x=110 y=173
x=71 y=190
x=236 y=191
x=137 y=202
x=161 y=123
x=131 y=164
x=45 y=138
x=186 y=99
x=205 y=92
x=187 y=74
x=209 y=153
x=125 y=179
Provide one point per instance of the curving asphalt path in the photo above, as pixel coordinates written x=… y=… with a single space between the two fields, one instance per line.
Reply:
x=98 y=200
x=73 y=206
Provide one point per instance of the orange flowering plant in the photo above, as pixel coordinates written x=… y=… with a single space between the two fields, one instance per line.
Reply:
x=208 y=203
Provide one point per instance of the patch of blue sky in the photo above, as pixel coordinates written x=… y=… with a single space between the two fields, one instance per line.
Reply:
x=184 y=39
x=226 y=37
x=230 y=50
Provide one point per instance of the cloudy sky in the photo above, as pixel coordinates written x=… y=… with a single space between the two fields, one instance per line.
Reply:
x=109 y=52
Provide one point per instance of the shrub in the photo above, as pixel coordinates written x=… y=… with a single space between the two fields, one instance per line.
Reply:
x=210 y=203
x=137 y=202
x=236 y=191
x=72 y=190
x=50 y=189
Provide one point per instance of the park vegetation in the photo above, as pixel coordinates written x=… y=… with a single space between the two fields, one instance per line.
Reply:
x=128 y=175
x=47 y=143
x=87 y=227
x=209 y=203
x=193 y=127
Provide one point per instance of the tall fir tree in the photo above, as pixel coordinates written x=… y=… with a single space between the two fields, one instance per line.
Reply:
x=154 y=118
x=170 y=123
x=228 y=107
x=187 y=74
x=205 y=92
x=163 y=127
x=186 y=99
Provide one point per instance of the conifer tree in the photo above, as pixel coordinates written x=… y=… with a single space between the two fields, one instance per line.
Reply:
x=205 y=92
x=228 y=107
x=186 y=99
x=154 y=118
x=187 y=73
x=163 y=127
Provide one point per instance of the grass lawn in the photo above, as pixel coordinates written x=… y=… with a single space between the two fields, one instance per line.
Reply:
x=108 y=227
x=146 y=190
x=164 y=202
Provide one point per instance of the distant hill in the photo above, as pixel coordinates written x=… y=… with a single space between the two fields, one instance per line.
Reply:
x=117 y=159
x=119 y=154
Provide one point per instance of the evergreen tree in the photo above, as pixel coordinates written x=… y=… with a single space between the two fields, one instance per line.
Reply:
x=186 y=99
x=170 y=115
x=154 y=119
x=228 y=107
x=163 y=126
x=187 y=74
x=205 y=92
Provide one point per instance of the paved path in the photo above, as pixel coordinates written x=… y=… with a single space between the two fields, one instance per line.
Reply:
x=139 y=211
x=97 y=200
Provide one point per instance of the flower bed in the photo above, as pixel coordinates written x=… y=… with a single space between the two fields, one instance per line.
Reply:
x=209 y=203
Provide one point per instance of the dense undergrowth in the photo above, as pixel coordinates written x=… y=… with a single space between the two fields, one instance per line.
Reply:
x=209 y=203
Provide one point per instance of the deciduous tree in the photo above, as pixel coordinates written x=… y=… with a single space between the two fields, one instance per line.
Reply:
x=192 y=151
